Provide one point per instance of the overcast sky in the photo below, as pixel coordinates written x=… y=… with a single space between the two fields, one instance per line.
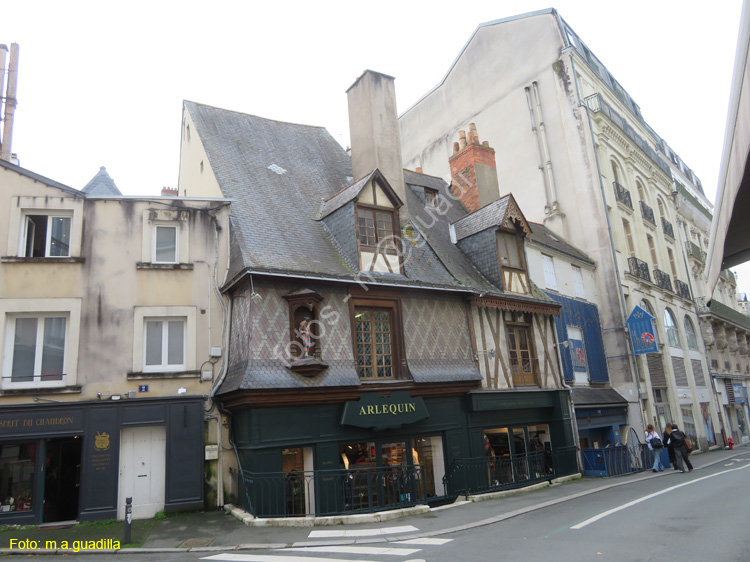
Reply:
x=102 y=83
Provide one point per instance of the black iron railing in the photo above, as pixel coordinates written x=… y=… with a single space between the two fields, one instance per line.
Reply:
x=330 y=492
x=694 y=251
x=666 y=226
x=682 y=289
x=480 y=475
x=639 y=268
x=616 y=461
x=662 y=279
x=622 y=195
x=647 y=213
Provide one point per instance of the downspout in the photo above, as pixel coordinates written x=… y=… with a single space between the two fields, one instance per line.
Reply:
x=547 y=208
x=620 y=292
x=703 y=339
x=571 y=408
x=545 y=148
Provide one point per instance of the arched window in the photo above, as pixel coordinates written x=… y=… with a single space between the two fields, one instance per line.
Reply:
x=692 y=339
x=628 y=238
x=615 y=172
x=641 y=191
x=647 y=307
x=662 y=209
x=673 y=335
x=652 y=249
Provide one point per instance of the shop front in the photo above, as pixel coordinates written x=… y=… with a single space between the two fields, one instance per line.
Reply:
x=382 y=452
x=65 y=462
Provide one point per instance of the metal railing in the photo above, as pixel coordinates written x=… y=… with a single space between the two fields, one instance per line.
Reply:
x=694 y=251
x=666 y=226
x=639 y=268
x=616 y=461
x=682 y=289
x=622 y=194
x=330 y=492
x=480 y=475
x=647 y=213
x=662 y=279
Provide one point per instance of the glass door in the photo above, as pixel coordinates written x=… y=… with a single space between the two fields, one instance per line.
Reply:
x=520 y=454
x=427 y=453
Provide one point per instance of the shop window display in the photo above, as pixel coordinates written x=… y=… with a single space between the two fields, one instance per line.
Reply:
x=16 y=471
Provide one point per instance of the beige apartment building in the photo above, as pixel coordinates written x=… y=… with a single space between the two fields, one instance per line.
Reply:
x=112 y=330
x=580 y=158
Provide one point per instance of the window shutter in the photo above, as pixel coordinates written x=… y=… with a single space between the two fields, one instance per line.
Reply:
x=698 y=373
x=656 y=371
x=680 y=374
x=549 y=273
x=578 y=282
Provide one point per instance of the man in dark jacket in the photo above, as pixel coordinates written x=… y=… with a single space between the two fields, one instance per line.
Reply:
x=677 y=441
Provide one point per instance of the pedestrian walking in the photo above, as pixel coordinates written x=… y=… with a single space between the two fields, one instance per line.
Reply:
x=670 y=447
x=655 y=445
x=677 y=439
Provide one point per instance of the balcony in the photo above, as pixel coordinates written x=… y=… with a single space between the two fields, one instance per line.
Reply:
x=647 y=213
x=662 y=279
x=639 y=268
x=694 y=251
x=622 y=195
x=682 y=289
x=666 y=226
x=597 y=105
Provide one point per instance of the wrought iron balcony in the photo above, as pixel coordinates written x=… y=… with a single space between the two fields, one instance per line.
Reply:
x=662 y=279
x=639 y=268
x=647 y=213
x=694 y=251
x=682 y=289
x=666 y=226
x=622 y=195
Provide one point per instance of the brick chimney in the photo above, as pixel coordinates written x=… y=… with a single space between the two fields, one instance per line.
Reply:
x=473 y=170
x=374 y=133
x=169 y=192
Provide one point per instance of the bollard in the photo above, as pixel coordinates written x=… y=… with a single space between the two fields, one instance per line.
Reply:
x=128 y=519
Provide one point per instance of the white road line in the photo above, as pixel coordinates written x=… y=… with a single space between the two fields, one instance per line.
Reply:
x=644 y=498
x=263 y=558
x=435 y=542
x=362 y=532
x=358 y=550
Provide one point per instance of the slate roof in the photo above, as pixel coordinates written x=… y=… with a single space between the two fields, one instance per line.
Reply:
x=488 y=216
x=101 y=184
x=41 y=179
x=542 y=236
x=586 y=396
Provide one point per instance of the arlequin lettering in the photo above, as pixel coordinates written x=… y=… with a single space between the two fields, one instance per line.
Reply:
x=392 y=409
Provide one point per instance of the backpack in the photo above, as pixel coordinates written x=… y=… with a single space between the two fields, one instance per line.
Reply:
x=656 y=442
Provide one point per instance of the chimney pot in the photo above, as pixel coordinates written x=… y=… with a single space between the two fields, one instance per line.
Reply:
x=455 y=148
x=419 y=169
x=169 y=192
x=461 y=140
x=486 y=143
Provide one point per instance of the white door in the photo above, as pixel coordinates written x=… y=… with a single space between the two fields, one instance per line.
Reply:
x=143 y=453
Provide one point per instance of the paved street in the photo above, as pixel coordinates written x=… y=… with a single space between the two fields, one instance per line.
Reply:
x=688 y=517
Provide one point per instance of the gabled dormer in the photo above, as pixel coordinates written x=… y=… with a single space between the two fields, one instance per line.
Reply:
x=493 y=238
x=363 y=221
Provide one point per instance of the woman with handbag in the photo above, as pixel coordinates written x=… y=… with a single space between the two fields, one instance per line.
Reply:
x=655 y=445
x=670 y=447
x=677 y=439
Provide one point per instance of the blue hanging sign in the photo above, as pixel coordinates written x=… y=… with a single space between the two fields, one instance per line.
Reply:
x=642 y=332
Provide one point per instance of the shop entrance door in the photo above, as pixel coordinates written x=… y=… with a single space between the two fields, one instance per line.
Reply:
x=62 y=479
x=143 y=453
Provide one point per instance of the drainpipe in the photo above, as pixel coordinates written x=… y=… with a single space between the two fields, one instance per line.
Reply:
x=545 y=148
x=547 y=208
x=571 y=408
x=620 y=292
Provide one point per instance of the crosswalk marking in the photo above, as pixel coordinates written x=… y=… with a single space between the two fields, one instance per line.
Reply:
x=426 y=541
x=229 y=557
x=374 y=550
x=363 y=532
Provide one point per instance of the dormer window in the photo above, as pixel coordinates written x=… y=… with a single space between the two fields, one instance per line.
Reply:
x=430 y=197
x=512 y=262
x=377 y=229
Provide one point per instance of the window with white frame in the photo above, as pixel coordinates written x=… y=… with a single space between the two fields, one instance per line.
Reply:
x=165 y=244
x=35 y=350
x=673 y=335
x=550 y=281
x=46 y=236
x=578 y=282
x=164 y=344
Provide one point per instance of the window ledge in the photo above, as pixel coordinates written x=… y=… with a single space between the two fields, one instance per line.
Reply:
x=167 y=266
x=164 y=375
x=15 y=259
x=40 y=390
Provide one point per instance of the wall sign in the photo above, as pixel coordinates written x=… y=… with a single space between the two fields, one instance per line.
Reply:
x=378 y=412
x=41 y=421
x=642 y=333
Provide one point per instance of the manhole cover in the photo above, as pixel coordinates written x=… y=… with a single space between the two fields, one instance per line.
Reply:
x=192 y=543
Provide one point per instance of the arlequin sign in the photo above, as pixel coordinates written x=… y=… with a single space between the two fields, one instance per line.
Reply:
x=378 y=412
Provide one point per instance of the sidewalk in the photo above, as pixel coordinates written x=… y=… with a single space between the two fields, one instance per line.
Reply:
x=213 y=531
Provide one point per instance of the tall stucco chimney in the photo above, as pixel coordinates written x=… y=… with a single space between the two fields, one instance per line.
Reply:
x=473 y=170
x=374 y=133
